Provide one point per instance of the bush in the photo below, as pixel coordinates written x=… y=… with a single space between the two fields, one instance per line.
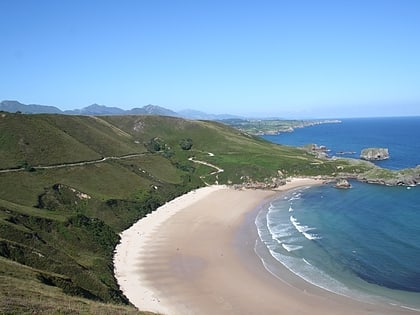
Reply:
x=154 y=145
x=186 y=144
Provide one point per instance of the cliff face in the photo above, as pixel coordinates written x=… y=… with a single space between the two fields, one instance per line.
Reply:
x=374 y=154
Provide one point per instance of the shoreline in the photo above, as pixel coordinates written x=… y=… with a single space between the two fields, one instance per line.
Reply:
x=162 y=266
x=135 y=238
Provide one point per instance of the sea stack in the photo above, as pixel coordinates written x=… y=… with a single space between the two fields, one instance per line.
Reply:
x=375 y=154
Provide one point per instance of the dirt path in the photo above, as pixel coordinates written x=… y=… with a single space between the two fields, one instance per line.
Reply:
x=217 y=169
x=74 y=164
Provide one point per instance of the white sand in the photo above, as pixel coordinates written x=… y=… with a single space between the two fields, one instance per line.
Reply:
x=129 y=251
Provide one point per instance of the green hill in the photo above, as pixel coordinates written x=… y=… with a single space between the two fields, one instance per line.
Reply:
x=70 y=184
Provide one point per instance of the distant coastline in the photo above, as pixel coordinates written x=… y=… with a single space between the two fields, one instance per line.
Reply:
x=271 y=127
x=309 y=123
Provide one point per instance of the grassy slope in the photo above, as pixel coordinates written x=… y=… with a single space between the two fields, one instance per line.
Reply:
x=23 y=292
x=239 y=154
x=58 y=227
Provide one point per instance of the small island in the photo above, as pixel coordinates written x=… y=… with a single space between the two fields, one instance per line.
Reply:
x=375 y=154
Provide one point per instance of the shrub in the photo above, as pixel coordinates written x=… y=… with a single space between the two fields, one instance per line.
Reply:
x=186 y=144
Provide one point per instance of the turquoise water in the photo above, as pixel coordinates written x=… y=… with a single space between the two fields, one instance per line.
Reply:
x=363 y=242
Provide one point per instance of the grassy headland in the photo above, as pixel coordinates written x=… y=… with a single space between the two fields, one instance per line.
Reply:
x=70 y=184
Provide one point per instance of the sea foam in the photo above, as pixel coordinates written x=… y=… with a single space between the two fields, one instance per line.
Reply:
x=290 y=247
x=304 y=229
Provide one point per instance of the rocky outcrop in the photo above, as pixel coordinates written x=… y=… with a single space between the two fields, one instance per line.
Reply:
x=268 y=183
x=374 y=154
x=320 y=152
x=342 y=184
x=377 y=175
x=398 y=180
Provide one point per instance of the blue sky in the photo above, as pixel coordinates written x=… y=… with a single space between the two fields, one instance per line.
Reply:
x=292 y=59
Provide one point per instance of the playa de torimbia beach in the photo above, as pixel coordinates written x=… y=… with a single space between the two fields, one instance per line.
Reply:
x=197 y=255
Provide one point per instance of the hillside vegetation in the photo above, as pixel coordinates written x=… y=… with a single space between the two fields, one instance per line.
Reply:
x=70 y=184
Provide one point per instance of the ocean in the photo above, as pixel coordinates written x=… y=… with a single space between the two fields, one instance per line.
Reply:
x=362 y=242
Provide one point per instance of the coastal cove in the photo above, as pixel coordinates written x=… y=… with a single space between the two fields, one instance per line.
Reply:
x=210 y=157
x=311 y=249
x=93 y=177
x=182 y=276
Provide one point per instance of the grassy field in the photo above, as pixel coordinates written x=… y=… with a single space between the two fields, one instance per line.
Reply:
x=59 y=226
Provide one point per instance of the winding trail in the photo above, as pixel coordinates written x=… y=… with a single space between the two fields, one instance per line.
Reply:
x=217 y=169
x=83 y=163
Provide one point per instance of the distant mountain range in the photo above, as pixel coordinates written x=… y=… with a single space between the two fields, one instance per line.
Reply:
x=101 y=110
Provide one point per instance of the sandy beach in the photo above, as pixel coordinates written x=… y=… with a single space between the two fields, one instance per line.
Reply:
x=195 y=255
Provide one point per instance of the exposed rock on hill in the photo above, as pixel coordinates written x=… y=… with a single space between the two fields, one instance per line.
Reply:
x=375 y=154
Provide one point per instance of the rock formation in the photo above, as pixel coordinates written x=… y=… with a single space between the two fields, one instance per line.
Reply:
x=321 y=152
x=374 y=154
x=342 y=184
